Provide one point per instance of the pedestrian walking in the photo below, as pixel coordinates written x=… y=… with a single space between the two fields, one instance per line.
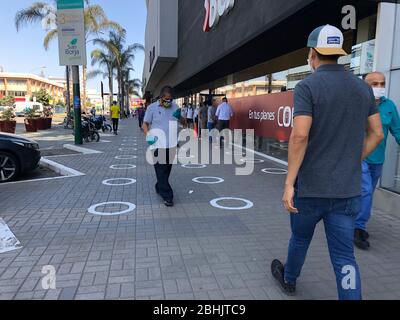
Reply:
x=141 y=111
x=211 y=119
x=161 y=130
x=184 y=114
x=333 y=110
x=115 y=114
x=224 y=114
x=372 y=166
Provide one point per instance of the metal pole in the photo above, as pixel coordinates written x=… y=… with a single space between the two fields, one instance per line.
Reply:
x=68 y=97
x=77 y=106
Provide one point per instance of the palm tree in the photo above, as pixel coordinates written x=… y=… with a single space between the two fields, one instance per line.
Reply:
x=96 y=22
x=123 y=57
x=104 y=59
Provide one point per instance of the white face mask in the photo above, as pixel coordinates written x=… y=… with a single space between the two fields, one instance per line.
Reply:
x=379 y=92
x=310 y=65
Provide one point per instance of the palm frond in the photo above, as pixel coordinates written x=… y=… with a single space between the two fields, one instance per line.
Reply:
x=33 y=14
x=50 y=36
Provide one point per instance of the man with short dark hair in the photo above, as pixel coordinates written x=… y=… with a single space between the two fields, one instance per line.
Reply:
x=372 y=166
x=115 y=115
x=333 y=111
x=224 y=114
x=161 y=130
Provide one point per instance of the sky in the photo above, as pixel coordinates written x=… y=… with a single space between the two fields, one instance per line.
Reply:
x=23 y=51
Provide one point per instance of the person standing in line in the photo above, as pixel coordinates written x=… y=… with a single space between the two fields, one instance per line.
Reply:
x=196 y=120
x=184 y=114
x=163 y=116
x=93 y=111
x=372 y=166
x=336 y=125
x=203 y=117
x=224 y=114
x=211 y=118
x=115 y=114
x=189 y=116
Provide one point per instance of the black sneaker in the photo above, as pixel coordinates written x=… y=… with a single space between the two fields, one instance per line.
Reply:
x=278 y=272
x=169 y=203
x=360 y=239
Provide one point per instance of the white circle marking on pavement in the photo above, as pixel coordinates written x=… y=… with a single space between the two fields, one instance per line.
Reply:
x=122 y=166
x=194 y=166
x=127 y=149
x=128 y=182
x=125 y=157
x=201 y=180
x=93 y=209
x=248 y=204
x=253 y=161
x=274 y=171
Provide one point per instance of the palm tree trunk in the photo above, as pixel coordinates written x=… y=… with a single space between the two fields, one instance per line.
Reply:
x=111 y=88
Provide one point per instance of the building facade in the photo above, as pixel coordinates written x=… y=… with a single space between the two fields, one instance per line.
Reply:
x=23 y=86
x=254 y=52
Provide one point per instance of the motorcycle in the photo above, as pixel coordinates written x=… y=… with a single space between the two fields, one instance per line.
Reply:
x=100 y=123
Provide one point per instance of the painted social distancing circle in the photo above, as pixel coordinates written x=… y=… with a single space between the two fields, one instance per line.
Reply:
x=275 y=171
x=122 y=166
x=125 y=157
x=248 y=204
x=194 y=166
x=110 y=182
x=206 y=180
x=93 y=209
x=253 y=160
x=127 y=149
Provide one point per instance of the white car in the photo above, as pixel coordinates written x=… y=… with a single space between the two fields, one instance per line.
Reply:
x=20 y=107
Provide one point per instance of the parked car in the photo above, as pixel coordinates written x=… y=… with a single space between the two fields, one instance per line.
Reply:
x=18 y=155
x=20 y=107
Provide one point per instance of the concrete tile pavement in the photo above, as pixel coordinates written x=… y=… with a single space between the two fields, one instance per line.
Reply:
x=191 y=251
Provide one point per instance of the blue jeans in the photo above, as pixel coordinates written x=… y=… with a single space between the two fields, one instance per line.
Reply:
x=338 y=216
x=371 y=173
x=210 y=127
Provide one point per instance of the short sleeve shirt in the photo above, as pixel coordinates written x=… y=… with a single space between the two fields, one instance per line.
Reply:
x=115 y=110
x=163 y=125
x=340 y=104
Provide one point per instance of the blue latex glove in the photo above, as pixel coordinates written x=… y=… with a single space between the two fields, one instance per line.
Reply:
x=151 y=140
x=177 y=114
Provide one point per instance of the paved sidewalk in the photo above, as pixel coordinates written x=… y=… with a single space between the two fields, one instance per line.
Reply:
x=191 y=251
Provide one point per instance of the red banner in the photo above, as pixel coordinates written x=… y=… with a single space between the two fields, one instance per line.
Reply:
x=270 y=115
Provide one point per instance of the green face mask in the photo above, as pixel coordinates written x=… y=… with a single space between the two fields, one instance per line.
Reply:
x=166 y=103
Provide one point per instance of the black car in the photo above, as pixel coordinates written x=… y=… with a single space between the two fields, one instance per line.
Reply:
x=17 y=156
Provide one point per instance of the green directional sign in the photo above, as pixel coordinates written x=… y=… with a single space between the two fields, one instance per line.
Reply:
x=69 y=4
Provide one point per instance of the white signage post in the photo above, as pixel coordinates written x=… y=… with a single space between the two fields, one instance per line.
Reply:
x=72 y=49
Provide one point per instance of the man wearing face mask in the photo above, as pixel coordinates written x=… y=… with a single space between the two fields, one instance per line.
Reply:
x=333 y=110
x=161 y=130
x=372 y=166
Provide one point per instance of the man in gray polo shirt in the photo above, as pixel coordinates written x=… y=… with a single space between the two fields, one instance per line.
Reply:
x=336 y=125
x=161 y=130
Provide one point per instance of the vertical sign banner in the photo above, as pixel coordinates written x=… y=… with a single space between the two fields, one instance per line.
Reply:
x=71 y=32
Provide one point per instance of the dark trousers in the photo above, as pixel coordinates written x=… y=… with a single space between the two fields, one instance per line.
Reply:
x=141 y=121
x=163 y=168
x=115 y=124
x=222 y=125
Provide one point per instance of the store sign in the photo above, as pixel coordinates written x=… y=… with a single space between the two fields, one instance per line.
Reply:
x=270 y=115
x=71 y=32
x=215 y=9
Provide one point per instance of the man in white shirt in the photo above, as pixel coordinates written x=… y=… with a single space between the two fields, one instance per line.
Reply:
x=224 y=114
x=189 y=116
x=161 y=130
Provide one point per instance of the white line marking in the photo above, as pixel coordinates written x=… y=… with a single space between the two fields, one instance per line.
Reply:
x=248 y=204
x=81 y=149
x=263 y=155
x=129 y=182
x=93 y=209
x=200 y=180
